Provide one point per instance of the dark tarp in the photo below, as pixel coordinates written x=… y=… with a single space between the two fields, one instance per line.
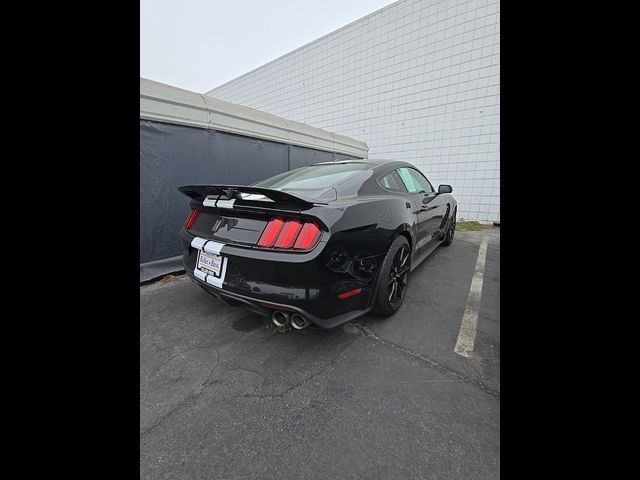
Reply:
x=175 y=155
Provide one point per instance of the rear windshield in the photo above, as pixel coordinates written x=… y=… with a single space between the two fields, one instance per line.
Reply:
x=313 y=176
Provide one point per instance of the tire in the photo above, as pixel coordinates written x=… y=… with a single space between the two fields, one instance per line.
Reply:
x=394 y=271
x=448 y=237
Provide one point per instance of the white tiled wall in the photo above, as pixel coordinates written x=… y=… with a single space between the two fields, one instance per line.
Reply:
x=418 y=80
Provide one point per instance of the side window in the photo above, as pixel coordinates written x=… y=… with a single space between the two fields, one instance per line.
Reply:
x=414 y=181
x=421 y=180
x=391 y=181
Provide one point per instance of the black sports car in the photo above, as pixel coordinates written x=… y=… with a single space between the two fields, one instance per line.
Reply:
x=321 y=244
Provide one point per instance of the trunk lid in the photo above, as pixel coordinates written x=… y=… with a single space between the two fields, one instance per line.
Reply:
x=238 y=214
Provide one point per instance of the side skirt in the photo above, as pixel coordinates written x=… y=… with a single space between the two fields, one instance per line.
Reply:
x=423 y=255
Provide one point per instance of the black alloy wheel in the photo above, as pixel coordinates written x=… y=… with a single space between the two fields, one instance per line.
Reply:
x=448 y=237
x=393 y=279
x=398 y=276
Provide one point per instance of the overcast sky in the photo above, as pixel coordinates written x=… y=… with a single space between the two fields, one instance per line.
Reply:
x=200 y=44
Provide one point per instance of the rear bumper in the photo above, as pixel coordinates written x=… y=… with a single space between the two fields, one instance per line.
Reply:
x=266 y=308
x=264 y=281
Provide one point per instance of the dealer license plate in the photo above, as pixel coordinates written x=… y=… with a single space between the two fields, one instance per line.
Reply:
x=209 y=263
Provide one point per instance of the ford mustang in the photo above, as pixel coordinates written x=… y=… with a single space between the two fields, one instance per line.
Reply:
x=321 y=244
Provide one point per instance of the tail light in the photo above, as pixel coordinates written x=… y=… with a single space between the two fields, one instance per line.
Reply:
x=289 y=234
x=192 y=217
x=270 y=233
x=309 y=235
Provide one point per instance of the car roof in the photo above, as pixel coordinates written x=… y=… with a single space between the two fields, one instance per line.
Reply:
x=341 y=162
x=377 y=164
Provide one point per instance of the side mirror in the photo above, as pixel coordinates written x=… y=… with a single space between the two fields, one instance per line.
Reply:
x=445 y=189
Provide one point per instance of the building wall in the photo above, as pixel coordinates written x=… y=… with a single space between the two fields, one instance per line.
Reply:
x=418 y=80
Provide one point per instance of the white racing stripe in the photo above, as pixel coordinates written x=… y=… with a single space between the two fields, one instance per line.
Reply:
x=198 y=242
x=199 y=274
x=225 y=203
x=210 y=201
x=208 y=246
x=467 y=334
x=213 y=247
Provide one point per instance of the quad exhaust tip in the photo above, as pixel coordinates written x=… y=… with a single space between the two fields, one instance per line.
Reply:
x=299 y=322
x=280 y=319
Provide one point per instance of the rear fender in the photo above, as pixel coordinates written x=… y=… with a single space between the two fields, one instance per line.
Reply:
x=361 y=234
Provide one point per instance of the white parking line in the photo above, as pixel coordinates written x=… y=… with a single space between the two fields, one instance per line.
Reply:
x=467 y=334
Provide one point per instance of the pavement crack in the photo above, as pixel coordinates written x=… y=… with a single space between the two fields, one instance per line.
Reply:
x=192 y=396
x=164 y=417
x=171 y=356
x=248 y=370
x=304 y=380
x=205 y=384
x=367 y=332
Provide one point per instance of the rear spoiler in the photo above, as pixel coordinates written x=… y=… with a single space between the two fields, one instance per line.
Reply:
x=235 y=192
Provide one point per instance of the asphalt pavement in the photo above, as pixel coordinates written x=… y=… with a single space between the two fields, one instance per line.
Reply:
x=222 y=397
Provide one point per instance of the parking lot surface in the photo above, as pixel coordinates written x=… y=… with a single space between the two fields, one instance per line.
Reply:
x=223 y=397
